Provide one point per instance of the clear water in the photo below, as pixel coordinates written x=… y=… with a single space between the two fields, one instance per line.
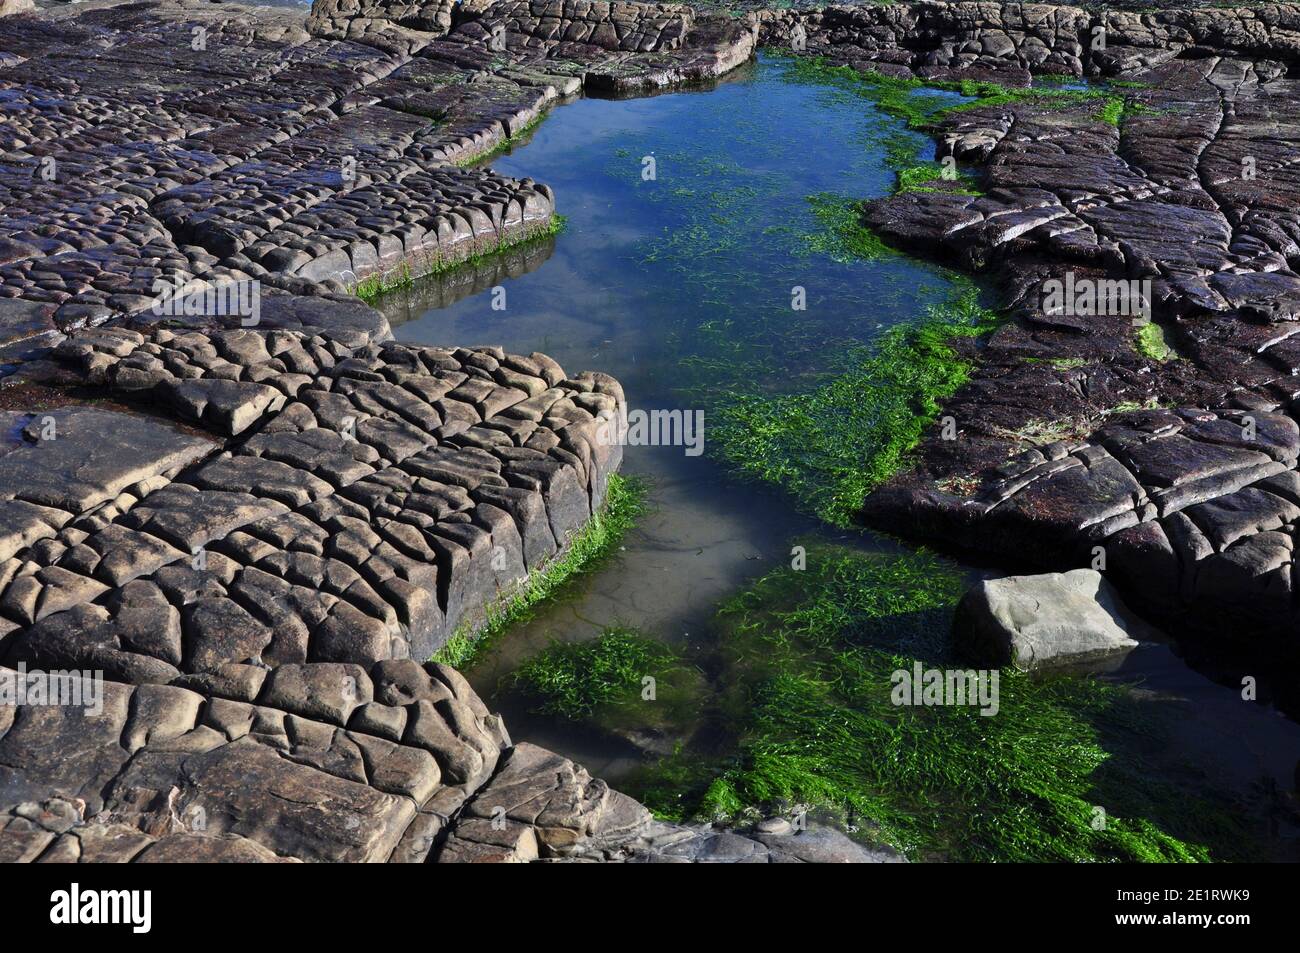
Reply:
x=672 y=283
x=684 y=282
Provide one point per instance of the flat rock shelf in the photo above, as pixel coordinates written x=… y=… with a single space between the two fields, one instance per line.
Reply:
x=251 y=525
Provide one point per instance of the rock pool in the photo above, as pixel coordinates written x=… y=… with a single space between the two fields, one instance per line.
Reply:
x=696 y=221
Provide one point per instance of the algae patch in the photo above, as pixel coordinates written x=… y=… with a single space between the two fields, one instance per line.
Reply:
x=1151 y=343
x=842 y=237
x=629 y=684
x=1063 y=771
x=922 y=104
x=373 y=288
x=831 y=445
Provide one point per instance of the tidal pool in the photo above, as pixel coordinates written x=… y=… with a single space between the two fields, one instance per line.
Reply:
x=680 y=285
x=704 y=257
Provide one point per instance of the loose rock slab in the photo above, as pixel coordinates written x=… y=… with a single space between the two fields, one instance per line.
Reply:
x=1045 y=621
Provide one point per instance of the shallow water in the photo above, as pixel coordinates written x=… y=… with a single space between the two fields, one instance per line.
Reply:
x=694 y=265
x=685 y=281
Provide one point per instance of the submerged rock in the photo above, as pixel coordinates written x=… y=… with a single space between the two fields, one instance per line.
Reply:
x=1036 y=622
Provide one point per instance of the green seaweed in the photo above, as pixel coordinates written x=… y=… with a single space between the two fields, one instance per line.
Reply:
x=921 y=104
x=1150 y=342
x=1116 y=109
x=1112 y=111
x=1061 y=772
x=924 y=176
x=831 y=445
x=621 y=680
x=374 y=287
x=917 y=101
x=512 y=140
x=843 y=237
x=625 y=503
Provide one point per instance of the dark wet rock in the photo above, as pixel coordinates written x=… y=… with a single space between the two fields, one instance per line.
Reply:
x=1192 y=192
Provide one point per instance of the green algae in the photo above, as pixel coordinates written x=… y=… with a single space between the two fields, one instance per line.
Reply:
x=1062 y=771
x=922 y=104
x=927 y=176
x=1116 y=110
x=829 y=446
x=848 y=412
x=802 y=666
x=842 y=237
x=620 y=681
x=1150 y=342
x=1112 y=111
x=833 y=440
x=597 y=541
x=514 y=139
x=373 y=288
x=720 y=241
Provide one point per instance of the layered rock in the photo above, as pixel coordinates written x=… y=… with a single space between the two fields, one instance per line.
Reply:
x=937 y=39
x=238 y=148
x=388 y=494
x=932 y=38
x=601 y=46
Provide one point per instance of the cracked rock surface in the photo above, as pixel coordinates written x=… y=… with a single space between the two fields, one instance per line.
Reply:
x=254 y=525
x=259 y=527
x=386 y=494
